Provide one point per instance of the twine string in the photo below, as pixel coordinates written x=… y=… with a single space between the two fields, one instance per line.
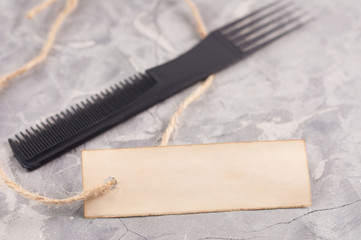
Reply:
x=174 y=120
x=70 y=6
x=39 y=8
x=172 y=125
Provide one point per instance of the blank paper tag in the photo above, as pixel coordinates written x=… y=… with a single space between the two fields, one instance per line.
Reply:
x=198 y=178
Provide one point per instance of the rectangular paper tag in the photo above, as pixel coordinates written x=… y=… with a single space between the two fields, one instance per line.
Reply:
x=198 y=178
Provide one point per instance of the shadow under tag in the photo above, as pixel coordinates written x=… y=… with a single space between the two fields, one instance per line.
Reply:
x=198 y=178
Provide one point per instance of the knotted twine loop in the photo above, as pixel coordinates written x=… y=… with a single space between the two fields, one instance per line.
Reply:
x=85 y=195
x=104 y=188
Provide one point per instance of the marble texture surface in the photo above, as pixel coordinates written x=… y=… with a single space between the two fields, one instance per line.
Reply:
x=307 y=85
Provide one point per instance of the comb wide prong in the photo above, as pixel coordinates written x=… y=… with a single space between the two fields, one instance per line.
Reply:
x=253 y=22
x=275 y=20
x=247 y=41
x=249 y=34
x=276 y=35
x=253 y=14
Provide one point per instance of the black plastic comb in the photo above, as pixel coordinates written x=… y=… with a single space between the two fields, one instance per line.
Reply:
x=220 y=49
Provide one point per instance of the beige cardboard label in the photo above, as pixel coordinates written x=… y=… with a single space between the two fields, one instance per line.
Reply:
x=198 y=178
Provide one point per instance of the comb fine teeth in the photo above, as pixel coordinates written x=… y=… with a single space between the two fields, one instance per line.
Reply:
x=71 y=122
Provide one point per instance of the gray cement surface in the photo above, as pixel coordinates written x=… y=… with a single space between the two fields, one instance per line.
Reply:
x=305 y=86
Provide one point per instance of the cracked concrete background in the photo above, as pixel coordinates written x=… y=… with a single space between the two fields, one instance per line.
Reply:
x=307 y=85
